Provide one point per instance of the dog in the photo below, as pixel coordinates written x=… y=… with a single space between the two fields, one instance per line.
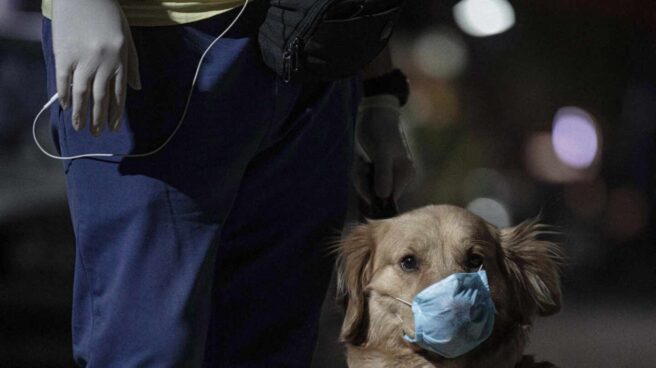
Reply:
x=440 y=240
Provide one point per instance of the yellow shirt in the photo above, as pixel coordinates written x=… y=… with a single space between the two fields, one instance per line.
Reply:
x=163 y=12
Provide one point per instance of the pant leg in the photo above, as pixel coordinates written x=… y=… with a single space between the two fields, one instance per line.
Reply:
x=147 y=229
x=274 y=261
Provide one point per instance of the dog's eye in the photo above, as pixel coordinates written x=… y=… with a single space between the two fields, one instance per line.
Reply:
x=409 y=263
x=474 y=261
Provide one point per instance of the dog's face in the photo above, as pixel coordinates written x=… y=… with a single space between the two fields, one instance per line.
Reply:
x=399 y=257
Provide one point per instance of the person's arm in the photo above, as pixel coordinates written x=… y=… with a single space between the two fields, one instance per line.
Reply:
x=380 y=140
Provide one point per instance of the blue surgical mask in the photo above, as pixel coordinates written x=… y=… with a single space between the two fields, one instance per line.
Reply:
x=454 y=315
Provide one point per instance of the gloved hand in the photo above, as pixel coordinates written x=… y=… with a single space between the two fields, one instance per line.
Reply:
x=381 y=147
x=94 y=53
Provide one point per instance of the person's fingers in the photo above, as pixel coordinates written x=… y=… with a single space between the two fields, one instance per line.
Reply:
x=64 y=75
x=112 y=103
x=383 y=178
x=117 y=99
x=101 y=92
x=134 y=79
x=81 y=89
x=404 y=172
x=362 y=179
x=119 y=90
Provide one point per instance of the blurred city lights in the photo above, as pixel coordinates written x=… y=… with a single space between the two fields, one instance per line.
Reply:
x=543 y=163
x=420 y=107
x=433 y=103
x=482 y=18
x=574 y=137
x=440 y=53
x=491 y=211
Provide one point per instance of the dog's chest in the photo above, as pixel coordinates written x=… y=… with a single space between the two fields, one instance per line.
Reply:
x=368 y=358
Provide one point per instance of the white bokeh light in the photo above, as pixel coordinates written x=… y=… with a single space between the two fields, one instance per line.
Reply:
x=574 y=137
x=440 y=53
x=491 y=211
x=482 y=18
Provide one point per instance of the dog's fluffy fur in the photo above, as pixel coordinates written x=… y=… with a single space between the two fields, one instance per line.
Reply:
x=522 y=272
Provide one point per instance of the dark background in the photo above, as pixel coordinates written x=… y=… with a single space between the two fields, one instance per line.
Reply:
x=479 y=122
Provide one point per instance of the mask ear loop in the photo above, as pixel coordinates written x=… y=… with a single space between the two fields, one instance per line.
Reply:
x=398 y=316
x=53 y=99
x=496 y=312
x=403 y=301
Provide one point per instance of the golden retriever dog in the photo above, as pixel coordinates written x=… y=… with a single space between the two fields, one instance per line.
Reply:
x=400 y=256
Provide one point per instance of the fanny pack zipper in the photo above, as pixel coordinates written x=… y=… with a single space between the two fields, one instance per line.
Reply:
x=290 y=57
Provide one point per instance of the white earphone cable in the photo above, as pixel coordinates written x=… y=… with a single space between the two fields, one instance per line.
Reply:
x=53 y=99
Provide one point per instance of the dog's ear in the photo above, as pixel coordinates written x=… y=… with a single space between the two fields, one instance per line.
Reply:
x=533 y=264
x=354 y=264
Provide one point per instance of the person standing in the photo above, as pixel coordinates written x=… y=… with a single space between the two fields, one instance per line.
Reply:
x=212 y=252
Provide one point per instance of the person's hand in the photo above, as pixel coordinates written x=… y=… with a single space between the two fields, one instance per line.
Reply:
x=384 y=165
x=95 y=58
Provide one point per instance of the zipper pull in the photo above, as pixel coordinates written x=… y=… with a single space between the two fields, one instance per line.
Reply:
x=291 y=58
x=286 y=57
x=297 y=45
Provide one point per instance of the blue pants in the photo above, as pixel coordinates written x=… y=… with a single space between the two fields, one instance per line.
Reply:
x=214 y=252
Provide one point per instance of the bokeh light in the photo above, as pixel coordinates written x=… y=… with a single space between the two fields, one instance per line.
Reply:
x=543 y=163
x=481 y=18
x=574 y=137
x=440 y=53
x=491 y=211
x=434 y=104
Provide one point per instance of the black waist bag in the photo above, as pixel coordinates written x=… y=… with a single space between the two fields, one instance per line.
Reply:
x=322 y=40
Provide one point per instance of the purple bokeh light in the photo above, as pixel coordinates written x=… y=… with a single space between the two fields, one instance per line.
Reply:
x=574 y=137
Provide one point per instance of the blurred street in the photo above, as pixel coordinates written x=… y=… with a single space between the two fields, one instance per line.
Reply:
x=606 y=333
